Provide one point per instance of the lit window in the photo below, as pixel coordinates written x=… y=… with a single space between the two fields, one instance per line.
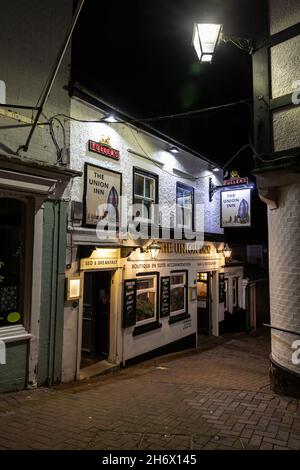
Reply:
x=178 y=293
x=146 y=299
x=145 y=192
x=184 y=206
x=12 y=261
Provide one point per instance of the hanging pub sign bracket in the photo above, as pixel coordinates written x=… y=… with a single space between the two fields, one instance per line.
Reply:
x=228 y=184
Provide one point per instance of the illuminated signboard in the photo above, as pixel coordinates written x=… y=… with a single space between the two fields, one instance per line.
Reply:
x=236 y=208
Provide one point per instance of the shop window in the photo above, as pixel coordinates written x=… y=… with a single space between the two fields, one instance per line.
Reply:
x=12 y=235
x=184 y=206
x=226 y=294
x=178 y=293
x=235 y=300
x=146 y=299
x=145 y=195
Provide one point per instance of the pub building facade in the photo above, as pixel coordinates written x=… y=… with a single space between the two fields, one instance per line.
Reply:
x=127 y=298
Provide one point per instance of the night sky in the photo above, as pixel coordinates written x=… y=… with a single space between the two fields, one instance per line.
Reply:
x=137 y=55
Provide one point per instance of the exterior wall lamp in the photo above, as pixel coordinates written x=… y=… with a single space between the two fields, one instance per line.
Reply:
x=227 y=251
x=207 y=36
x=154 y=250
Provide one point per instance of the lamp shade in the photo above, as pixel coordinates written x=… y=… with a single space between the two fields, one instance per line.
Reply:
x=205 y=39
x=154 y=250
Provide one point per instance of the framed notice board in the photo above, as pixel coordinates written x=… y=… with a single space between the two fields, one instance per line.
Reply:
x=164 y=296
x=221 y=287
x=129 y=303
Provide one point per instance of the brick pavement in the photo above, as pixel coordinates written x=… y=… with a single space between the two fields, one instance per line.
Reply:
x=213 y=399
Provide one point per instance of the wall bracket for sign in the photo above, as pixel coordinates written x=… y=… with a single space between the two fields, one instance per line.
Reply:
x=240 y=183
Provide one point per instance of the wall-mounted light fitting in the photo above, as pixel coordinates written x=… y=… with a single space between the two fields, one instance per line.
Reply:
x=173 y=149
x=226 y=251
x=73 y=288
x=110 y=118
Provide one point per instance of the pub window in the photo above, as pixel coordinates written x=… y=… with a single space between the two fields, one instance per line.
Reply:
x=184 y=206
x=145 y=194
x=146 y=296
x=12 y=236
x=178 y=293
x=235 y=299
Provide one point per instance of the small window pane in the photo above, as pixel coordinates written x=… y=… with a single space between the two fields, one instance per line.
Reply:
x=139 y=185
x=202 y=290
x=145 y=284
x=149 y=188
x=177 y=279
x=177 y=299
x=145 y=306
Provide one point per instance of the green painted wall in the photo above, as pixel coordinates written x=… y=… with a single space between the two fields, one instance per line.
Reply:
x=52 y=295
x=13 y=373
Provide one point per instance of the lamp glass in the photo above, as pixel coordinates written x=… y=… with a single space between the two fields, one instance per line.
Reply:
x=196 y=42
x=205 y=40
x=227 y=251
x=154 y=250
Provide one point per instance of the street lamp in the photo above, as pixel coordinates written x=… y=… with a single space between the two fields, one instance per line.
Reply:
x=207 y=36
x=154 y=250
x=205 y=40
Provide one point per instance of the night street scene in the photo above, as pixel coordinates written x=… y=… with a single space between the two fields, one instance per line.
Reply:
x=149 y=232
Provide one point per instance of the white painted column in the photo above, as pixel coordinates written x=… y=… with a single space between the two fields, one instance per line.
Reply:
x=36 y=287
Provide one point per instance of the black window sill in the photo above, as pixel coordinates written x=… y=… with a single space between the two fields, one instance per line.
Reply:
x=139 y=330
x=180 y=317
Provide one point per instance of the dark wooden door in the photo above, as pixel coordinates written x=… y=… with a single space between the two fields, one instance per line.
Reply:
x=96 y=312
x=203 y=304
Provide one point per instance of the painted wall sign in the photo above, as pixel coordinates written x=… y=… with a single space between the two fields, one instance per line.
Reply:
x=221 y=287
x=103 y=148
x=234 y=181
x=102 y=191
x=164 y=296
x=129 y=303
x=236 y=208
x=184 y=248
x=94 y=263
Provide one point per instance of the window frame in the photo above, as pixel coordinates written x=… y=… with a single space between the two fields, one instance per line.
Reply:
x=190 y=189
x=154 y=200
x=184 y=311
x=153 y=289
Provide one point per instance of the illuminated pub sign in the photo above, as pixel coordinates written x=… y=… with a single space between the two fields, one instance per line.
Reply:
x=102 y=191
x=236 y=208
x=104 y=148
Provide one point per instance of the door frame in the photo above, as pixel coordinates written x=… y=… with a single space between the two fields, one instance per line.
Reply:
x=209 y=300
x=113 y=317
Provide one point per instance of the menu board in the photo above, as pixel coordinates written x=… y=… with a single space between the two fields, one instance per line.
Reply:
x=221 y=287
x=165 y=296
x=129 y=303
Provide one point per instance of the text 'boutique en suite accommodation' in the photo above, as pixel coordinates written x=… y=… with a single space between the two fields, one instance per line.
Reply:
x=144 y=262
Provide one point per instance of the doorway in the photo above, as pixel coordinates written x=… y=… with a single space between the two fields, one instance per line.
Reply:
x=96 y=317
x=204 y=304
